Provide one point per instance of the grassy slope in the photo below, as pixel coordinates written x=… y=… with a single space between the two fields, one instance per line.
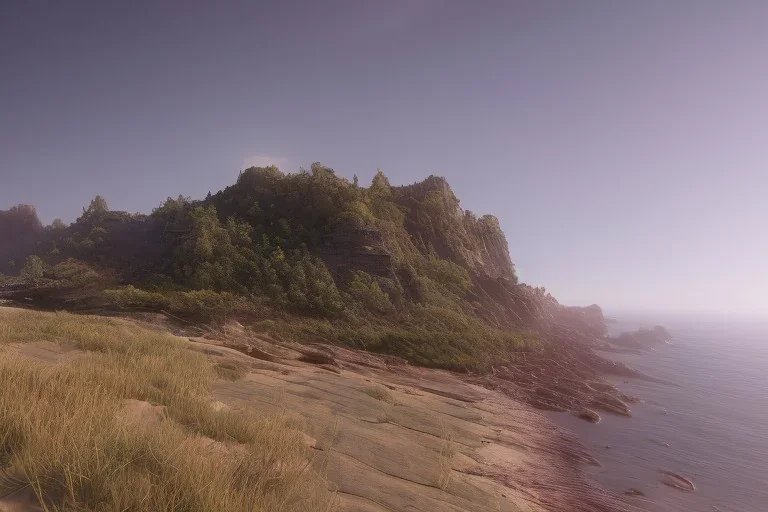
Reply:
x=63 y=435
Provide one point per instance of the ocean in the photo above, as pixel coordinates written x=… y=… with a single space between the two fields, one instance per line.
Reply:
x=709 y=422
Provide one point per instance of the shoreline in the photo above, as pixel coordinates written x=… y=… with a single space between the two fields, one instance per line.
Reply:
x=387 y=453
x=637 y=454
x=509 y=445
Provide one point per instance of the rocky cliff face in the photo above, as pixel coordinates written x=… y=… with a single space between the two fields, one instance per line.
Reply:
x=491 y=252
x=440 y=226
x=351 y=248
x=404 y=234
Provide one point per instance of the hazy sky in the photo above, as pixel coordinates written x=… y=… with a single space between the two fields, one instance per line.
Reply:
x=623 y=145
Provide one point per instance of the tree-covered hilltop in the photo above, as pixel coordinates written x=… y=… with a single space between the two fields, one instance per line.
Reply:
x=395 y=269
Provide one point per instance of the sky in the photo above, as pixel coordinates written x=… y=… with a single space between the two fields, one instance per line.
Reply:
x=623 y=145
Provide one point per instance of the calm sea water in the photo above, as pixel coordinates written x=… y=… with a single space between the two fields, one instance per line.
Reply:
x=710 y=423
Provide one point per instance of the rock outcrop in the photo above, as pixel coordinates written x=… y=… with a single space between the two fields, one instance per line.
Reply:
x=642 y=339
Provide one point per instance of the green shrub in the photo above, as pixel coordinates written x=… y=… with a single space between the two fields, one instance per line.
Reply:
x=74 y=273
x=366 y=291
x=33 y=268
x=197 y=305
x=449 y=274
x=266 y=326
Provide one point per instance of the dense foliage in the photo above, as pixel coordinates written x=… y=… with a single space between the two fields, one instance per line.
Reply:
x=402 y=270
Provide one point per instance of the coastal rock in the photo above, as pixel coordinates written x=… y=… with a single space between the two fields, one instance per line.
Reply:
x=612 y=404
x=642 y=339
x=602 y=386
x=629 y=398
x=547 y=405
x=588 y=415
x=546 y=393
x=677 y=481
x=316 y=357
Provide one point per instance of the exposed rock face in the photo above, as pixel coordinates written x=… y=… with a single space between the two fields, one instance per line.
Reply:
x=589 y=319
x=491 y=255
x=588 y=415
x=436 y=221
x=642 y=338
x=612 y=404
x=677 y=481
x=353 y=248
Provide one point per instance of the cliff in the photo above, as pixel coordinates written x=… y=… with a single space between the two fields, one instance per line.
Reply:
x=435 y=220
x=396 y=269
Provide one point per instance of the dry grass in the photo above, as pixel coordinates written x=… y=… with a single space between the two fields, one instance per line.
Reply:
x=61 y=432
x=229 y=370
x=445 y=461
x=380 y=393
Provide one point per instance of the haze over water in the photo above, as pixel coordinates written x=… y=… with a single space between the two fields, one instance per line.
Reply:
x=712 y=415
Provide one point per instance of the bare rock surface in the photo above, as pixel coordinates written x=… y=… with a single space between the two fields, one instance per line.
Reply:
x=439 y=442
x=138 y=413
x=677 y=481
x=390 y=437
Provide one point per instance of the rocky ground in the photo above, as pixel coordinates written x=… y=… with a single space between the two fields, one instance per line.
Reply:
x=392 y=437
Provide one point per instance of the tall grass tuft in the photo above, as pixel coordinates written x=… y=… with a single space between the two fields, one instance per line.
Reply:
x=63 y=434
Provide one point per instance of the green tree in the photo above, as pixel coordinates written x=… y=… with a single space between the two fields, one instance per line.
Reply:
x=33 y=268
x=380 y=186
x=216 y=256
x=96 y=210
x=322 y=294
x=58 y=224
x=365 y=290
x=319 y=170
x=98 y=234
